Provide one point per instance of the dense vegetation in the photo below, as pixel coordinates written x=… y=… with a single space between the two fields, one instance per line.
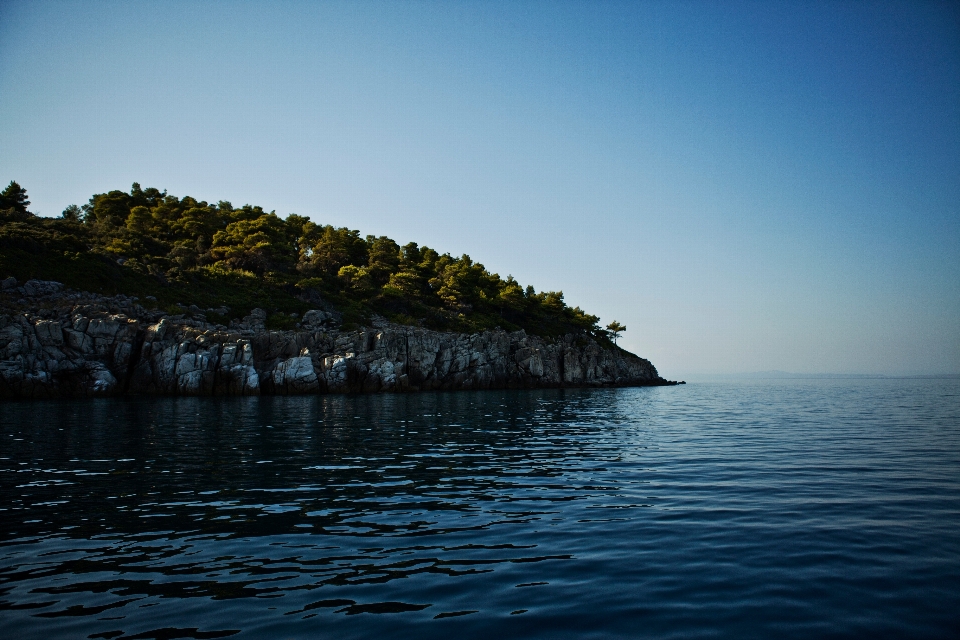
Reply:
x=183 y=251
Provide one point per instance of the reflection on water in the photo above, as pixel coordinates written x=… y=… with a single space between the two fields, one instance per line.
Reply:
x=803 y=509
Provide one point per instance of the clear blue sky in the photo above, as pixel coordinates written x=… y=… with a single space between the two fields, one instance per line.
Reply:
x=746 y=186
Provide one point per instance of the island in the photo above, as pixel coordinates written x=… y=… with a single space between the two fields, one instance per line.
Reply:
x=144 y=293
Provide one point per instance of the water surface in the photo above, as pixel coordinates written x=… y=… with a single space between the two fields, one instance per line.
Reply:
x=789 y=509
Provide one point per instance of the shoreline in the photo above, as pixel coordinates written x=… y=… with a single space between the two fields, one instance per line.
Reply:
x=57 y=343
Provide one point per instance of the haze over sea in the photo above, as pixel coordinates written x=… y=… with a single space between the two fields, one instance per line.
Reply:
x=762 y=508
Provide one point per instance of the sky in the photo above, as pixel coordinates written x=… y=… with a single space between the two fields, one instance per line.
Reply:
x=746 y=186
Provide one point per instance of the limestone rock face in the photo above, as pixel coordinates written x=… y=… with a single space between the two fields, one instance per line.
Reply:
x=80 y=350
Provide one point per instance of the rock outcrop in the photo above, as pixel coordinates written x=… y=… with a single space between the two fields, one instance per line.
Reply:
x=56 y=343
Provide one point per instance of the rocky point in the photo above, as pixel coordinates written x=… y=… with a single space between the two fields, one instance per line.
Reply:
x=60 y=343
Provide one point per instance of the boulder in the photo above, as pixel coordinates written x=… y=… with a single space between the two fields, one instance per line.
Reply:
x=38 y=288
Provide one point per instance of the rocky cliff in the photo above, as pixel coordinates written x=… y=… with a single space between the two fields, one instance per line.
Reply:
x=57 y=343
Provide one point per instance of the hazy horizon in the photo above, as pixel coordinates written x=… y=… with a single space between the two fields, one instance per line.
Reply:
x=747 y=187
x=787 y=375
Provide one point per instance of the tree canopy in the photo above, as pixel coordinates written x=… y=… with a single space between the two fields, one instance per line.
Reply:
x=215 y=253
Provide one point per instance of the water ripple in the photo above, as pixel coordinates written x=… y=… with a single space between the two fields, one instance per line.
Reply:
x=798 y=509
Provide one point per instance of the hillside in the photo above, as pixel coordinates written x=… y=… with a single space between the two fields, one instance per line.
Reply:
x=174 y=252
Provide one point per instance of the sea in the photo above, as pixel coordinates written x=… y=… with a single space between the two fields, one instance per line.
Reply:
x=734 y=509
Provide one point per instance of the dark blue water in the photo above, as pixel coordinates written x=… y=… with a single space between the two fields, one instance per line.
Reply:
x=796 y=509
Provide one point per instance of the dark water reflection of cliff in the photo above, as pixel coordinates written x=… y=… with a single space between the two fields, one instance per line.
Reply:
x=625 y=512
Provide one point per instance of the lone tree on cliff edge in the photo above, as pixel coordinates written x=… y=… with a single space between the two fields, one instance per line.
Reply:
x=615 y=329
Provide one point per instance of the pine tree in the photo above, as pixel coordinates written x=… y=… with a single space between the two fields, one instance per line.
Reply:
x=14 y=197
x=615 y=329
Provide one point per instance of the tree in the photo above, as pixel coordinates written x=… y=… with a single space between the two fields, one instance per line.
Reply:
x=383 y=258
x=357 y=278
x=324 y=250
x=259 y=245
x=510 y=295
x=14 y=197
x=139 y=219
x=73 y=213
x=110 y=210
x=615 y=329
